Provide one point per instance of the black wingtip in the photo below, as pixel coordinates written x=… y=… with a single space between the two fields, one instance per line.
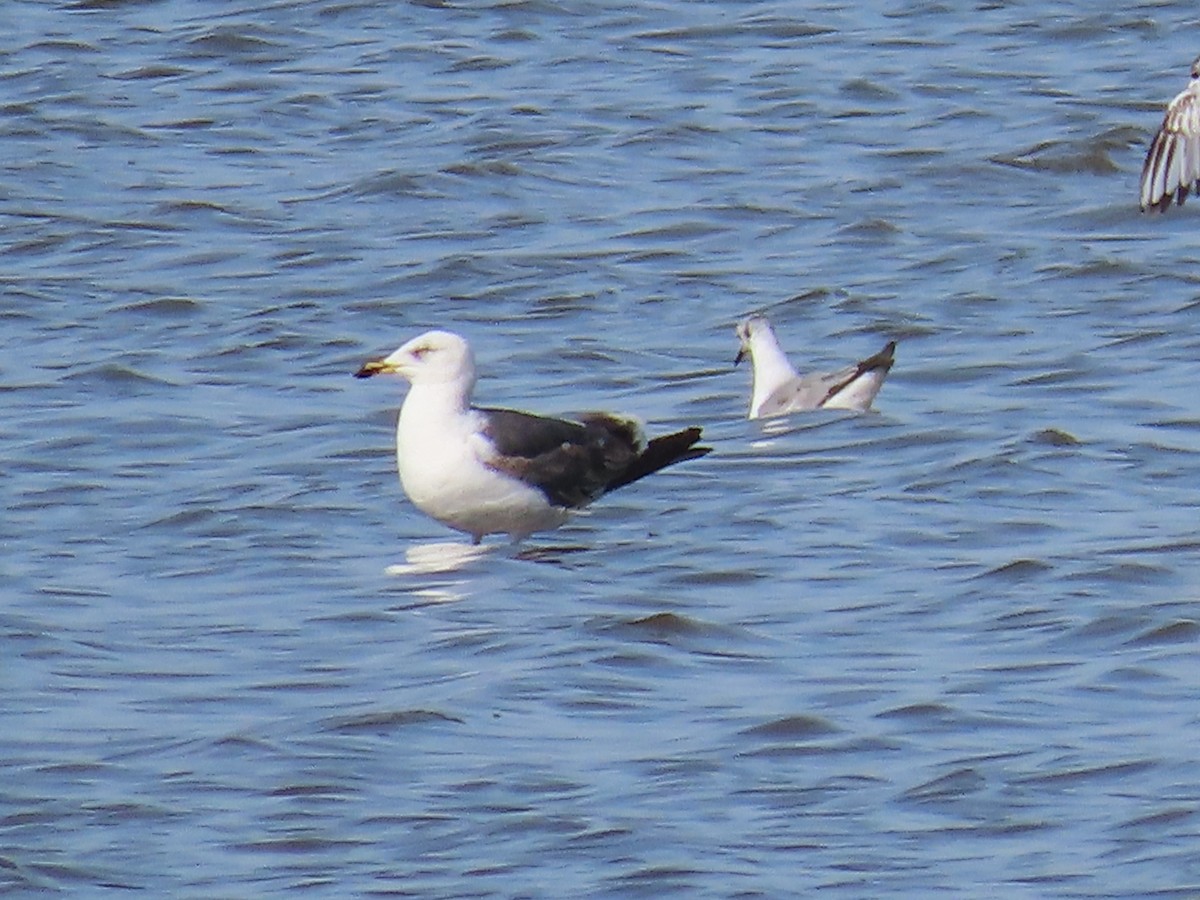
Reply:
x=661 y=452
x=881 y=360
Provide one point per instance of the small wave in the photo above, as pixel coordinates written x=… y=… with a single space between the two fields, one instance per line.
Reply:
x=385 y=722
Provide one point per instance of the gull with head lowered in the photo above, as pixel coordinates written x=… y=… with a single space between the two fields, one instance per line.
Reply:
x=1172 y=166
x=779 y=390
x=498 y=471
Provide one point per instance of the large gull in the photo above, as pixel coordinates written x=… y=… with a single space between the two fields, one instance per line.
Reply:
x=779 y=390
x=498 y=471
x=1172 y=166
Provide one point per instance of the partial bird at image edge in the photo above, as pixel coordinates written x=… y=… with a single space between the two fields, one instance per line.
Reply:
x=1172 y=167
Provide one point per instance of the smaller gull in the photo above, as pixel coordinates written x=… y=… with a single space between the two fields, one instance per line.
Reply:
x=499 y=471
x=778 y=389
x=1172 y=167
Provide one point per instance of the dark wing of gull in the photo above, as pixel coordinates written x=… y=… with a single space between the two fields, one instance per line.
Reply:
x=659 y=453
x=814 y=390
x=1172 y=166
x=573 y=463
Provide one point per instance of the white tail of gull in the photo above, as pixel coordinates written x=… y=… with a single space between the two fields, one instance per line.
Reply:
x=779 y=390
x=1172 y=167
x=499 y=471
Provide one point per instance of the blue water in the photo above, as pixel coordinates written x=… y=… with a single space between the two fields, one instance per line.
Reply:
x=947 y=648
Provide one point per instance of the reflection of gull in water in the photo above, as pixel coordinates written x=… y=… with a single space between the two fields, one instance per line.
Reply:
x=428 y=559
x=431 y=559
x=1172 y=166
x=489 y=471
x=778 y=389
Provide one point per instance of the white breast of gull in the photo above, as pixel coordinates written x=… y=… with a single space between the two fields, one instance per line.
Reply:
x=499 y=471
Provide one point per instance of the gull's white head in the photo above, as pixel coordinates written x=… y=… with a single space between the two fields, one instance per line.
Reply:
x=747 y=331
x=435 y=357
x=1196 y=68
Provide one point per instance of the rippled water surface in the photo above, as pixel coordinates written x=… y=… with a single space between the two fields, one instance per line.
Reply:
x=948 y=648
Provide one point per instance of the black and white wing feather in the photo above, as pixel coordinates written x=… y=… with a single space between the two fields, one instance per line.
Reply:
x=1172 y=167
x=851 y=387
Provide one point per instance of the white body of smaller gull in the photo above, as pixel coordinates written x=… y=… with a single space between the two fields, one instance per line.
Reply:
x=778 y=389
x=499 y=471
x=1172 y=167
